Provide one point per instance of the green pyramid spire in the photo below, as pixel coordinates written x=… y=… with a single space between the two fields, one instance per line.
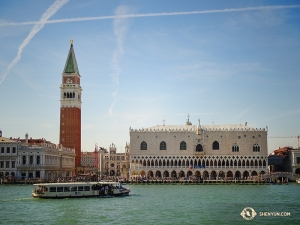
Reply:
x=71 y=64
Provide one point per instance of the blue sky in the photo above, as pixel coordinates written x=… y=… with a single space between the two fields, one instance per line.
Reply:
x=142 y=62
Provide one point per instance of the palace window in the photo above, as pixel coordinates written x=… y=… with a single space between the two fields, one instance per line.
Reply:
x=14 y=150
x=199 y=148
x=143 y=146
x=256 y=148
x=24 y=159
x=8 y=150
x=31 y=159
x=2 y=149
x=38 y=159
x=7 y=164
x=163 y=146
x=235 y=148
x=182 y=145
x=215 y=145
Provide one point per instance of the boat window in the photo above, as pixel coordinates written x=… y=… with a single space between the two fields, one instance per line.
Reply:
x=52 y=189
x=60 y=189
x=86 y=188
x=73 y=188
x=66 y=189
x=80 y=188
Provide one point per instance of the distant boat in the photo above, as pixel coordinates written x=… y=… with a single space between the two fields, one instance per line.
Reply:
x=79 y=190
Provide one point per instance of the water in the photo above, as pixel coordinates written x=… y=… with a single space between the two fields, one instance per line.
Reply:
x=156 y=204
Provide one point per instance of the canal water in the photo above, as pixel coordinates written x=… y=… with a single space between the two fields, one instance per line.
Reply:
x=159 y=204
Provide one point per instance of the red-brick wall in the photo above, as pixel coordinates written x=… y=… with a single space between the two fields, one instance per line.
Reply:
x=70 y=130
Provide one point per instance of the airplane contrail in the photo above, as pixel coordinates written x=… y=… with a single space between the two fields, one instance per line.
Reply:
x=36 y=28
x=120 y=28
x=270 y=7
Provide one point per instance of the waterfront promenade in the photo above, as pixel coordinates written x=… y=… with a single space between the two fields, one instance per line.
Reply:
x=278 y=178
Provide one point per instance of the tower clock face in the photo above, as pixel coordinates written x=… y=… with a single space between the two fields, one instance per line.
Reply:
x=69 y=80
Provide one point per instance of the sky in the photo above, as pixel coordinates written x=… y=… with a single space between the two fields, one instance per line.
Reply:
x=146 y=62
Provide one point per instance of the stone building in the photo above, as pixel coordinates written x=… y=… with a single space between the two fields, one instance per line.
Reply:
x=113 y=164
x=294 y=162
x=198 y=151
x=35 y=159
x=38 y=158
x=8 y=157
x=89 y=163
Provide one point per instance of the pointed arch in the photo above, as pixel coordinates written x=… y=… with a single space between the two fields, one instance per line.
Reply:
x=143 y=146
x=215 y=145
x=162 y=146
x=183 y=145
x=199 y=148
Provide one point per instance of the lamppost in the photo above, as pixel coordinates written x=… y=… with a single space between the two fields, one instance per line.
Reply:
x=60 y=163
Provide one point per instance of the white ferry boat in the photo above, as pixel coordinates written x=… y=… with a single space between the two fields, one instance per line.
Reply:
x=79 y=189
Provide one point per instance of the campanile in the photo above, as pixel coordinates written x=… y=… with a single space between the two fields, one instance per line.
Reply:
x=70 y=106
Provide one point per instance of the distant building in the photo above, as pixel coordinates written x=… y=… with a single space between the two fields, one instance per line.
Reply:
x=38 y=158
x=113 y=164
x=70 y=106
x=89 y=163
x=8 y=157
x=285 y=159
x=294 y=162
x=35 y=159
x=198 y=151
x=278 y=160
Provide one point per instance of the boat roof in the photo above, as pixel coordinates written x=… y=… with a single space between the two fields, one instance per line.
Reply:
x=76 y=183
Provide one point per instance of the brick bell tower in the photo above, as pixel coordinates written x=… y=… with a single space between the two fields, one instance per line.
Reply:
x=70 y=106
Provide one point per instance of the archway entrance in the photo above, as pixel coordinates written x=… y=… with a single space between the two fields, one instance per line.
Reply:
x=237 y=175
x=150 y=174
x=173 y=174
x=158 y=174
x=205 y=175
x=221 y=174
x=181 y=174
x=166 y=173
x=143 y=173
x=229 y=174
x=198 y=174
x=213 y=175
x=189 y=173
x=254 y=173
x=246 y=175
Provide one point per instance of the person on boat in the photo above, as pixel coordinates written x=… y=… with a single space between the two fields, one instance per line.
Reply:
x=106 y=189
